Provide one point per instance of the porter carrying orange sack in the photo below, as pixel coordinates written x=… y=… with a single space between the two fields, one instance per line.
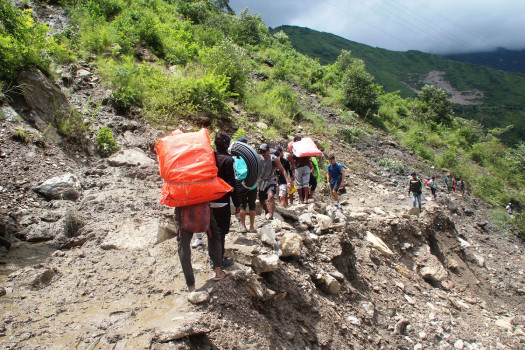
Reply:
x=187 y=165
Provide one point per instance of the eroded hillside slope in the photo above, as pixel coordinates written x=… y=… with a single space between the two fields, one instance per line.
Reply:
x=95 y=266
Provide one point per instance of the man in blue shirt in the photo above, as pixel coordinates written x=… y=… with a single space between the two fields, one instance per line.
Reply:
x=335 y=176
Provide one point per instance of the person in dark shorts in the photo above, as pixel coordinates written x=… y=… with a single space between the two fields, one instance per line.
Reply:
x=335 y=176
x=247 y=198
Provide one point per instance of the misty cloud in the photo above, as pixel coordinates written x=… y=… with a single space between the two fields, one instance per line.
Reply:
x=446 y=26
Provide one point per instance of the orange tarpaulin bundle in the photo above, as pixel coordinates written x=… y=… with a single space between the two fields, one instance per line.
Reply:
x=187 y=165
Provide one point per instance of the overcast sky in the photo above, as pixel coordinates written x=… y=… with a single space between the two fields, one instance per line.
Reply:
x=445 y=26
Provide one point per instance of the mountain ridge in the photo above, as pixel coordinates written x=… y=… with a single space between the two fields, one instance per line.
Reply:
x=500 y=59
x=503 y=101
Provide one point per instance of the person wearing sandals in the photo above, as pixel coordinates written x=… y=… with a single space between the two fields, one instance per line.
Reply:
x=220 y=208
x=267 y=184
x=197 y=218
x=283 y=185
x=335 y=176
x=247 y=198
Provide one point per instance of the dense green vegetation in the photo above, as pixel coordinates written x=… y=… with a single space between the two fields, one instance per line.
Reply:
x=207 y=57
x=503 y=102
x=501 y=59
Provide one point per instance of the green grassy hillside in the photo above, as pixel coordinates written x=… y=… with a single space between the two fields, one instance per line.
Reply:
x=202 y=61
x=504 y=92
x=502 y=59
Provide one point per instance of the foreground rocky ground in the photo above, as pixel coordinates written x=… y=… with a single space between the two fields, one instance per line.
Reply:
x=92 y=261
x=93 y=264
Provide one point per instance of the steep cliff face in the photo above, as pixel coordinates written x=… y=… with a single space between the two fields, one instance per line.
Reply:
x=95 y=264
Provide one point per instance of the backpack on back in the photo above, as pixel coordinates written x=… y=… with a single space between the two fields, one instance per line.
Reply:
x=194 y=218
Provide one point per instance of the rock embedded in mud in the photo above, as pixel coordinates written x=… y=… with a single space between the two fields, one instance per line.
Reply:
x=266 y=263
x=267 y=234
x=291 y=245
x=359 y=216
x=378 y=244
x=307 y=219
x=505 y=323
x=433 y=271
x=131 y=158
x=198 y=297
x=323 y=221
x=332 y=286
x=60 y=187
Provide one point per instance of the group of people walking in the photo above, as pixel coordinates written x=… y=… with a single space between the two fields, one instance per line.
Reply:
x=281 y=174
x=416 y=184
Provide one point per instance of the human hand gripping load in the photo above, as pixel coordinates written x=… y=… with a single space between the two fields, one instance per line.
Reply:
x=187 y=165
x=304 y=148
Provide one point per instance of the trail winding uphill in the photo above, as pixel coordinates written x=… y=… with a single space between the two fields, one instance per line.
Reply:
x=374 y=275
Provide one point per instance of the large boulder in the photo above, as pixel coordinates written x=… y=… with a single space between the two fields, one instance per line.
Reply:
x=60 y=187
x=130 y=157
x=44 y=98
x=291 y=245
x=378 y=244
x=429 y=266
x=267 y=233
x=288 y=213
x=265 y=263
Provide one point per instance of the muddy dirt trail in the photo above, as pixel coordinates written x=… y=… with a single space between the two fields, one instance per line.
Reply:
x=93 y=261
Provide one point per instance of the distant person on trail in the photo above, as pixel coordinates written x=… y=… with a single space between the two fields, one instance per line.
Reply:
x=314 y=177
x=267 y=183
x=432 y=184
x=460 y=184
x=197 y=218
x=247 y=198
x=450 y=182
x=335 y=176
x=302 y=168
x=509 y=208
x=283 y=185
x=415 y=185
x=220 y=208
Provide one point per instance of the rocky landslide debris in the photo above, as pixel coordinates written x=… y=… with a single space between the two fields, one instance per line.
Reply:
x=88 y=258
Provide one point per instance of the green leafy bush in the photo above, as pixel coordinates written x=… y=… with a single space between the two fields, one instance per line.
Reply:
x=276 y=102
x=438 y=104
x=350 y=134
x=23 y=43
x=238 y=134
x=360 y=93
x=229 y=60
x=71 y=125
x=164 y=98
x=490 y=189
x=21 y=135
x=105 y=142
x=448 y=159
x=392 y=164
